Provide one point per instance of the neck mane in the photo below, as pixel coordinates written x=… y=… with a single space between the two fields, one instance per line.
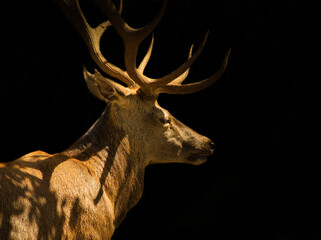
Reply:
x=109 y=153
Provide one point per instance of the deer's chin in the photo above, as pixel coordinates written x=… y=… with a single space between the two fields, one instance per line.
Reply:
x=197 y=159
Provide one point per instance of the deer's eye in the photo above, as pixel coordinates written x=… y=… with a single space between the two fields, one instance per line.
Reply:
x=165 y=120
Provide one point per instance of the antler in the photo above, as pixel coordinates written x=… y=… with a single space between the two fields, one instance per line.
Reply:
x=134 y=77
x=92 y=38
x=178 y=88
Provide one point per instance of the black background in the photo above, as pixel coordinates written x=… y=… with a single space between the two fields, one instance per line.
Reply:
x=263 y=181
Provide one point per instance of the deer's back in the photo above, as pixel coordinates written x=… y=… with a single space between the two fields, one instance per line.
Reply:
x=45 y=196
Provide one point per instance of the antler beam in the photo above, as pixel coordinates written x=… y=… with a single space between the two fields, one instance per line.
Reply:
x=92 y=37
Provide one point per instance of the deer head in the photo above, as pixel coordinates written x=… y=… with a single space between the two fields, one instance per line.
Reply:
x=133 y=98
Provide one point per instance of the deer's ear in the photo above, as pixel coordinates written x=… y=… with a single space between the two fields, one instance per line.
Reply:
x=104 y=88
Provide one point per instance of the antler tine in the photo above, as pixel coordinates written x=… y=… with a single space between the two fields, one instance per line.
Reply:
x=123 y=29
x=92 y=38
x=160 y=82
x=145 y=60
x=198 y=86
x=182 y=77
x=132 y=37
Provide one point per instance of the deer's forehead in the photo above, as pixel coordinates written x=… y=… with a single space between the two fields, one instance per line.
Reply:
x=158 y=111
x=153 y=110
x=151 y=107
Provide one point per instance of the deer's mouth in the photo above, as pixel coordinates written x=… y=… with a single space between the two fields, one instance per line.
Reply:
x=198 y=158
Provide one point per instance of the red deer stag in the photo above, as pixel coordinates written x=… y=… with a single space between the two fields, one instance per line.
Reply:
x=86 y=191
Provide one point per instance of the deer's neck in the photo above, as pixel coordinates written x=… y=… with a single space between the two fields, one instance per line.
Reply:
x=109 y=152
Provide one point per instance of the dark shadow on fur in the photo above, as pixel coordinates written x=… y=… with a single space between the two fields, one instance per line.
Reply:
x=43 y=202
